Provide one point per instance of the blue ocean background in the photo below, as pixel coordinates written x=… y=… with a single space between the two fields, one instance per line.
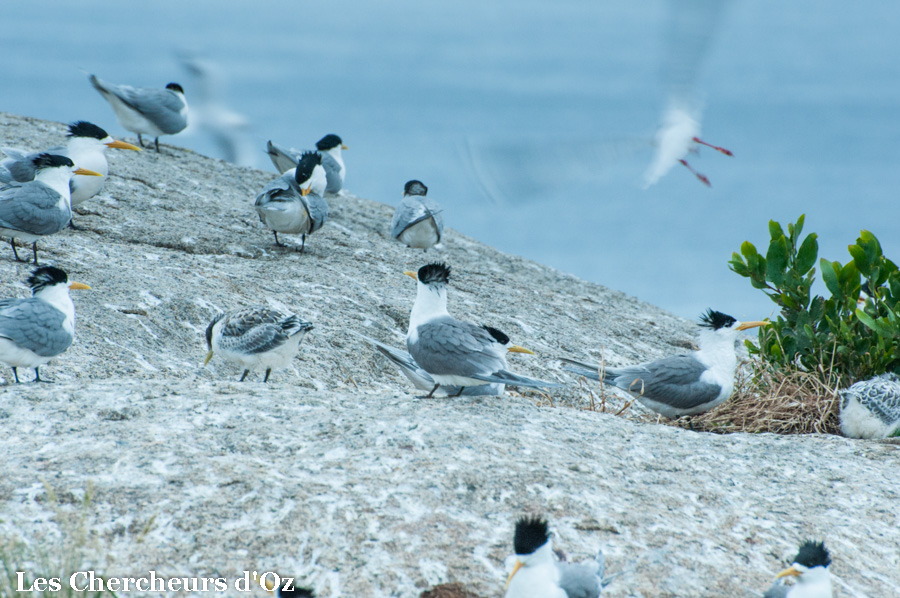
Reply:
x=531 y=122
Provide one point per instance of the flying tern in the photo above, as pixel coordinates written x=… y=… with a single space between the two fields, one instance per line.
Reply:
x=681 y=384
x=35 y=330
x=417 y=221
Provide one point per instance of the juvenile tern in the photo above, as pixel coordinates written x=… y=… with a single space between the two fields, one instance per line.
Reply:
x=417 y=222
x=537 y=574
x=871 y=408
x=810 y=567
x=423 y=380
x=256 y=337
x=330 y=147
x=35 y=330
x=681 y=384
x=286 y=206
x=40 y=207
x=454 y=352
x=86 y=146
x=146 y=110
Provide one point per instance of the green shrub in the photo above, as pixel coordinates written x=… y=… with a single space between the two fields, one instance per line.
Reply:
x=812 y=331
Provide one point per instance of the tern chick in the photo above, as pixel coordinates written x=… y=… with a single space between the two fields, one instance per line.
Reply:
x=35 y=330
x=681 y=384
x=417 y=222
x=871 y=408
x=256 y=337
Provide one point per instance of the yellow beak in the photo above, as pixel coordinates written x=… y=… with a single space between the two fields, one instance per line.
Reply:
x=344 y=146
x=305 y=192
x=790 y=571
x=412 y=275
x=514 y=571
x=518 y=349
x=208 y=357
x=748 y=325
x=78 y=285
x=115 y=144
x=86 y=172
x=269 y=585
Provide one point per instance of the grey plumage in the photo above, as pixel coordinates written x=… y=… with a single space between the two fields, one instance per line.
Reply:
x=283 y=158
x=33 y=208
x=582 y=580
x=333 y=173
x=778 y=590
x=880 y=395
x=413 y=210
x=18 y=166
x=259 y=330
x=284 y=209
x=422 y=379
x=35 y=325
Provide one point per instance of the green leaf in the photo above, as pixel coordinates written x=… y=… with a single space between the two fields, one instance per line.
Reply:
x=860 y=259
x=776 y=260
x=830 y=275
x=872 y=323
x=775 y=230
x=806 y=255
x=871 y=245
x=796 y=229
x=849 y=279
x=748 y=249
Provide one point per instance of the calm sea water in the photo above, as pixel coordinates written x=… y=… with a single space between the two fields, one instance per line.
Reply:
x=529 y=121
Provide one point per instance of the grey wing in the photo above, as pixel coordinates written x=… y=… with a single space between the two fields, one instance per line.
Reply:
x=674 y=381
x=254 y=330
x=588 y=370
x=278 y=189
x=332 y=173
x=579 y=581
x=449 y=346
x=508 y=378
x=778 y=590
x=317 y=208
x=30 y=208
x=437 y=212
x=408 y=211
x=17 y=167
x=160 y=106
x=35 y=325
x=282 y=158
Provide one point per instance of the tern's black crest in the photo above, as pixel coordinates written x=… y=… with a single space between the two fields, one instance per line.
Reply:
x=328 y=142
x=498 y=335
x=51 y=161
x=306 y=165
x=175 y=87
x=415 y=188
x=46 y=276
x=295 y=593
x=434 y=274
x=813 y=554
x=209 y=330
x=531 y=534
x=716 y=319
x=82 y=128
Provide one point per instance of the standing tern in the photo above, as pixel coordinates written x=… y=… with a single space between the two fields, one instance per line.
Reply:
x=810 y=568
x=454 y=352
x=681 y=384
x=41 y=207
x=86 y=146
x=146 y=110
x=537 y=574
x=256 y=337
x=417 y=221
x=871 y=408
x=423 y=380
x=35 y=330
x=329 y=147
x=285 y=206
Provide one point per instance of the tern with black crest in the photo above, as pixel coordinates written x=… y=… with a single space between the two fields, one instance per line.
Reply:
x=329 y=147
x=35 y=330
x=681 y=384
x=417 y=221
x=810 y=569
x=146 y=110
x=452 y=351
x=256 y=337
x=537 y=573
x=41 y=207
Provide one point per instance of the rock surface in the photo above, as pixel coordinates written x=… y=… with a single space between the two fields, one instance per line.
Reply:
x=335 y=472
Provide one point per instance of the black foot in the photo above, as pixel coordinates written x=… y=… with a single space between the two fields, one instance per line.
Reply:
x=461 y=389
x=302 y=243
x=16 y=376
x=72 y=225
x=277 y=242
x=37 y=377
x=16 y=253
x=34 y=249
x=157 y=145
x=268 y=371
x=244 y=376
x=141 y=140
x=431 y=394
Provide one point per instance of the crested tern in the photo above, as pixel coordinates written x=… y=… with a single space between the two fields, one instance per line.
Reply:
x=810 y=567
x=285 y=206
x=256 y=337
x=86 y=146
x=417 y=221
x=35 y=330
x=40 y=207
x=329 y=147
x=422 y=379
x=537 y=574
x=681 y=384
x=452 y=351
x=871 y=408
x=146 y=110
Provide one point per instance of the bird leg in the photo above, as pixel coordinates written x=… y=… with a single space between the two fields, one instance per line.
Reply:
x=15 y=253
x=34 y=249
x=16 y=376
x=715 y=147
x=157 y=145
x=141 y=140
x=431 y=394
x=701 y=177
x=461 y=389
x=244 y=376
x=268 y=371
x=277 y=242
x=302 y=242
x=72 y=225
x=37 y=376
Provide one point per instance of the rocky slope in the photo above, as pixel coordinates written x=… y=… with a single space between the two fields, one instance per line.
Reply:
x=334 y=471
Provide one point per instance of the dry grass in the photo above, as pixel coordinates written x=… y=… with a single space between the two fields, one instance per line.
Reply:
x=449 y=590
x=795 y=402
